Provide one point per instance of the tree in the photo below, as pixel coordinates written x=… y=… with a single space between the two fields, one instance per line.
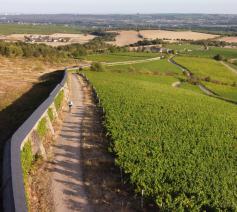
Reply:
x=79 y=52
x=13 y=51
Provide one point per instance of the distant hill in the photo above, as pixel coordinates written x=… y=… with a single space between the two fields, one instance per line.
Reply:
x=201 y=22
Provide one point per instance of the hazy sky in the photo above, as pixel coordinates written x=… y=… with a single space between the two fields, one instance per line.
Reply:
x=118 y=6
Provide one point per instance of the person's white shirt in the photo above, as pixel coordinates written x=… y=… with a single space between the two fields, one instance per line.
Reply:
x=70 y=103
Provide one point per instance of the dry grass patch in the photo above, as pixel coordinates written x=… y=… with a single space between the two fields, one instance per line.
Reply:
x=23 y=87
x=175 y=35
x=130 y=37
x=19 y=75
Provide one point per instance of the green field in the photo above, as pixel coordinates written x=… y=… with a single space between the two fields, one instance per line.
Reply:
x=6 y=29
x=154 y=67
x=228 y=92
x=204 y=67
x=120 y=57
x=184 y=47
x=176 y=145
x=191 y=87
x=199 y=51
x=234 y=66
x=224 y=52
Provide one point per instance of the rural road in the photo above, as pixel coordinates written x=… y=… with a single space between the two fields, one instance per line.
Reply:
x=229 y=67
x=124 y=62
x=132 y=62
x=67 y=179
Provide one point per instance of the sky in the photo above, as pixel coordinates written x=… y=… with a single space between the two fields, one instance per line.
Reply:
x=118 y=6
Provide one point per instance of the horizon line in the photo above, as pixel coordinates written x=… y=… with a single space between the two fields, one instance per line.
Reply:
x=138 y=13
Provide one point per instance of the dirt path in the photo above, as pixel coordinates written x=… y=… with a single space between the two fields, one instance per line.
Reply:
x=229 y=67
x=124 y=62
x=133 y=62
x=83 y=172
x=105 y=187
x=67 y=180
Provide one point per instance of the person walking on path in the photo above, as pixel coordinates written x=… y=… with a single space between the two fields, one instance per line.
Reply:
x=70 y=104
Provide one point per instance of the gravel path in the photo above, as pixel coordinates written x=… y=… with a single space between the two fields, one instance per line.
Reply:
x=68 y=186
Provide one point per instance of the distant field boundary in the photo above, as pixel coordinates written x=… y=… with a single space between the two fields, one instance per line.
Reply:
x=13 y=191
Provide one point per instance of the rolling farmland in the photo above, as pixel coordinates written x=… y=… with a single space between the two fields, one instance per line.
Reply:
x=171 y=142
x=225 y=91
x=204 y=67
x=126 y=37
x=228 y=53
x=199 y=51
x=120 y=57
x=123 y=112
x=175 y=35
x=229 y=39
x=7 y=29
x=154 y=67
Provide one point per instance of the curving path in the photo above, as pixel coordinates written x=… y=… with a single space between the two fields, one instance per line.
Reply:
x=202 y=87
x=67 y=178
x=189 y=75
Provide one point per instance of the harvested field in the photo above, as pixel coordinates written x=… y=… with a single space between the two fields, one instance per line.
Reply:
x=175 y=35
x=73 y=38
x=229 y=39
x=126 y=37
x=130 y=37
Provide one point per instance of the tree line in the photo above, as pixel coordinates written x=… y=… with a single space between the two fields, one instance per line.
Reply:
x=21 y=49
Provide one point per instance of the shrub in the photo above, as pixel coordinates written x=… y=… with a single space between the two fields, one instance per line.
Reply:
x=42 y=127
x=97 y=67
x=59 y=100
x=207 y=79
x=218 y=57
x=50 y=114
x=27 y=158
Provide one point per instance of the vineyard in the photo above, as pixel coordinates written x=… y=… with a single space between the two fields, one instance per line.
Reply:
x=120 y=56
x=225 y=91
x=208 y=68
x=227 y=53
x=177 y=145
x=154 y=67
